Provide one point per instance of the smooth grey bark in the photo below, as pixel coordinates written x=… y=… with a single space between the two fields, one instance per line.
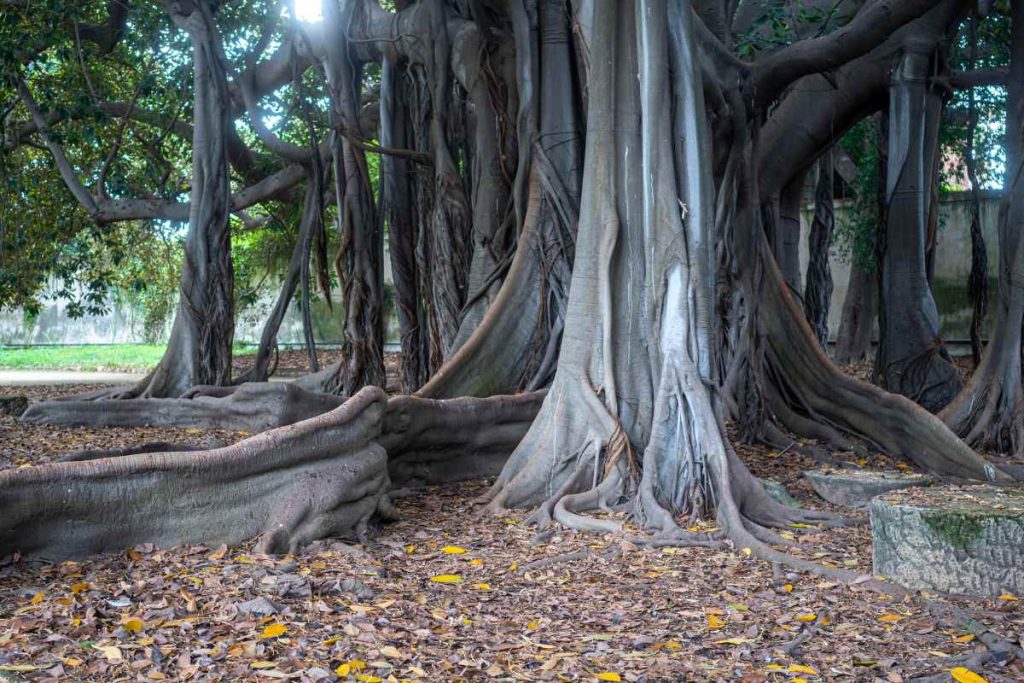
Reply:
x=911 y=360
x=786 y=238
x=629 y=415
x=327 y=475
x=818 y=290
x=857 y=325
x=516 y=344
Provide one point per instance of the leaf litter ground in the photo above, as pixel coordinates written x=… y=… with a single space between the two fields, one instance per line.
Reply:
x=447 y=595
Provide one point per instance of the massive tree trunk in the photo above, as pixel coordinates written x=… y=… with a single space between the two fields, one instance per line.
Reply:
x=989 y=412
x=818 y=291
x=630 y=415
x=912 y=359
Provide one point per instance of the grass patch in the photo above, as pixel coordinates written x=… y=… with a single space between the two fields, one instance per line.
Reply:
x=90 y=358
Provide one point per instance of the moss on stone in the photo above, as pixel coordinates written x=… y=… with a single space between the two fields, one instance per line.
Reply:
x=958 y=529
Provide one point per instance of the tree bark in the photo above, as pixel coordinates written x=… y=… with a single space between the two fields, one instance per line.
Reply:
x=912 y=359
x=818 y=291
x=630 y=415
x=857 y=325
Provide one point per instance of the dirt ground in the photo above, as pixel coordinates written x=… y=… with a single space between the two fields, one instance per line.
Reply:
x=448 y=595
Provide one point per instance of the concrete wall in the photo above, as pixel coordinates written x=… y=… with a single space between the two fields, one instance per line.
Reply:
x=952 y=260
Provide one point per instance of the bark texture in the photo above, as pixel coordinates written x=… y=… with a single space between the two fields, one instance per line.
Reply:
x=818 y=290
x=912 y=360
x=327 y=475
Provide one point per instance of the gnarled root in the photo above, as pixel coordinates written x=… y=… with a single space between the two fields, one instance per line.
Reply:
x=251 y=407
x=323 y=477
x=435 y=441
x=811 y=383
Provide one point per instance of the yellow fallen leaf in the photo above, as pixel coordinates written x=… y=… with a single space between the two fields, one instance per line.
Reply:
x=1009 y=597
x=890 y=618
x=964 y=675
x=274 y=630
x=453 y=550
x=799 y=680
x=367 y=678
x=810 y=616
x=219 y=553
x=482 y=586
x=77 y=588
x=263 y=664
x=671 y=645
x=608 y=676
x=964 y=638
x=391 y=651
x=715 y=623
x=37 y=598
x=788 y=588
x=476 y=562
x=747 y=551
x=733 y=641
x=446 y=578
x=133 y=625
x=801 y=669
x=533 y=624
x=72 y=662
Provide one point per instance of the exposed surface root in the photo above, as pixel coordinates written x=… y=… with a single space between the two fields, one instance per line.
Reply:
x=324 y=477
x=251 y=407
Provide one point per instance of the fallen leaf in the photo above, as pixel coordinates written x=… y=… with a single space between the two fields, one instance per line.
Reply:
x=133 y=625
x=219 y=553
x=446 y=578
x=964 y=638
x=274 y=630
x=263 y=664
x=715 y=623
x=608 y=676
x=1009 y=597
x=810 y=616
x=391 y=651
x=890 y=618
x=453 y=550
x=801 y=669
x=37 y=598
x=733 y=641
x=77 y=588
x=962 y=674
x=482 y=586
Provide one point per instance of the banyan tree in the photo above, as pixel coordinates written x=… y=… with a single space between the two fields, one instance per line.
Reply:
x=589 y=210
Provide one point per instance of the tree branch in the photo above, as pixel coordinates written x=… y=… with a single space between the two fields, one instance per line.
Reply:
x=866 y=31
x=962 y=80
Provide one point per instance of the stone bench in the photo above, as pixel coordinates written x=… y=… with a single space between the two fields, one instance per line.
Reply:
x=951 y=539
x=856 y=488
